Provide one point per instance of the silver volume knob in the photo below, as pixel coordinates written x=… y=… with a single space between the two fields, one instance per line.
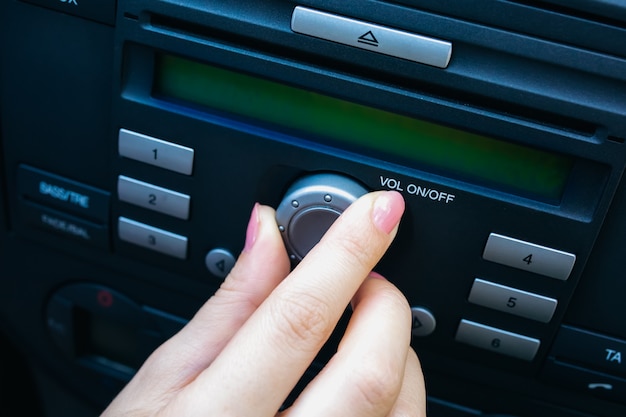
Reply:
x=310 y=207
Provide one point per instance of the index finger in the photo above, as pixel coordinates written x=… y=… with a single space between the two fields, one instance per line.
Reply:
x=263 y=362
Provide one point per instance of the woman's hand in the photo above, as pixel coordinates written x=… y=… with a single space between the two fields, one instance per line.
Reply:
x=247 y=347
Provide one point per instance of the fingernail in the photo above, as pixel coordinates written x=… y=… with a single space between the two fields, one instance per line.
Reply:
x=377 y=276
x=253 y=228
x=388 y=209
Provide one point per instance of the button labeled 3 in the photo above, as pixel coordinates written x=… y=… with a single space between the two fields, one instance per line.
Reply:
x=152 y=238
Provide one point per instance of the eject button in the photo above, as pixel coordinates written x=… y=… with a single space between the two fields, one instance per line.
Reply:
x=376 y=38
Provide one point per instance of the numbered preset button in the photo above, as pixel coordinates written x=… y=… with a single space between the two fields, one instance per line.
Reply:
x=152 y=238
x=497 y=340
x=153 y=197
x=511 y=300
x=155 y=151
x=529 y=256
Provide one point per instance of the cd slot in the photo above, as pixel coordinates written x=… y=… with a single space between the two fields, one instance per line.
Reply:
x=596 y=25
x=605 y=12
x=514 y=112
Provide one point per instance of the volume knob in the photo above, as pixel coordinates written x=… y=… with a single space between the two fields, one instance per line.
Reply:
x=310 y=206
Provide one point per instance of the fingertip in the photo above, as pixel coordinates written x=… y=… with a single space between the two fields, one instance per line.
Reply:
x=376 y=275
x=378 y=288
x=263 y=245
x=361 y=234
x=261 y=266
x=271 y=240
x=252 y=229
x=387 y=211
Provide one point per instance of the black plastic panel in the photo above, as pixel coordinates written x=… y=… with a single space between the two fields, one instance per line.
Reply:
x=540 y=75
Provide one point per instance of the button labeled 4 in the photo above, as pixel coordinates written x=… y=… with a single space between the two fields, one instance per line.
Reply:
x=529 y=256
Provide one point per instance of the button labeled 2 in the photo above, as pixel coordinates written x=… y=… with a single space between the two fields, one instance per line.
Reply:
x=153 y=197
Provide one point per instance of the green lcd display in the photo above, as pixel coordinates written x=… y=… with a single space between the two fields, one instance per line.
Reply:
x=466 y=156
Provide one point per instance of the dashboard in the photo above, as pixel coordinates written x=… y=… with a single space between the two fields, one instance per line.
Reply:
x=136 y=135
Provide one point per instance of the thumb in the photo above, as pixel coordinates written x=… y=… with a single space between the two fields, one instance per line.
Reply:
x=261 y=266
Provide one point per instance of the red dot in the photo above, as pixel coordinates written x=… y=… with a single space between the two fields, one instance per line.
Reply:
x=105 y=298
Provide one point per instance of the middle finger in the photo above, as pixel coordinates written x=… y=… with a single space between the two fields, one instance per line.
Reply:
x=275 y=346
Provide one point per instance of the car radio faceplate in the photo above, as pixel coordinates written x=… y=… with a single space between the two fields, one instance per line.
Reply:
x=506 y=144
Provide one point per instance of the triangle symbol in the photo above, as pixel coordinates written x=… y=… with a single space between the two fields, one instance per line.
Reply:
x=221 y=265
x=368 y=38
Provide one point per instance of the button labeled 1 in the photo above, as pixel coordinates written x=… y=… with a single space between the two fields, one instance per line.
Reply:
x=155 y=152
x=529 y=256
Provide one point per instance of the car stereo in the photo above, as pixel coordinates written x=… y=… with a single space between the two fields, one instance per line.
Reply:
x=137 y=135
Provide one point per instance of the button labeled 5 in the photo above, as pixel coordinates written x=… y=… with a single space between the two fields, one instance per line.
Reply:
x=511 y=300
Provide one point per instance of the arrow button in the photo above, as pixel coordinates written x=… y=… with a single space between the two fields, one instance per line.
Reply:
x=371 y=37
x=424 y=322
x=219 y=262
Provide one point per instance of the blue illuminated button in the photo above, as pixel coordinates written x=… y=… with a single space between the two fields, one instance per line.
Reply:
x=529 y=256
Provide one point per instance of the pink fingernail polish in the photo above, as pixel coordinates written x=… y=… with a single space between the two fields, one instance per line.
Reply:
x=388 y=209
x=253 y=228
x=376 y=275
